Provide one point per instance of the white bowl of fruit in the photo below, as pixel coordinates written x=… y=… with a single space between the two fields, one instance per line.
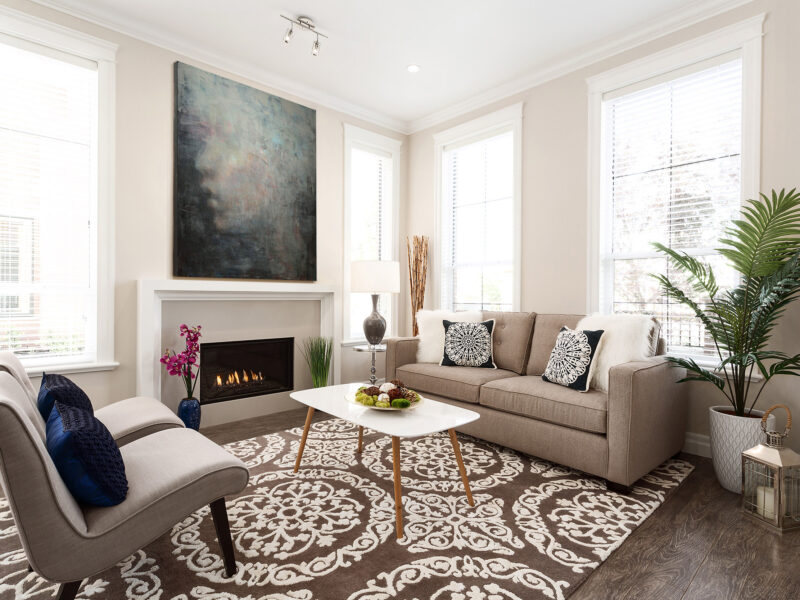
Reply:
x=392 y=395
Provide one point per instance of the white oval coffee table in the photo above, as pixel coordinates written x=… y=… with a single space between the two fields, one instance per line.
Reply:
x=429 y=417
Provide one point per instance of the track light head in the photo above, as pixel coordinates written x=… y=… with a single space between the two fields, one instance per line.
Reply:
x=304 y=24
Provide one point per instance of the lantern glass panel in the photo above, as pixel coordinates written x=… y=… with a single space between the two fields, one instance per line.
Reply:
x=791 y=493
x=760 y=494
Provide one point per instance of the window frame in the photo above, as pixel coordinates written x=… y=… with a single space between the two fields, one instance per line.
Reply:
x=363 y=139
x=508 y=119
x=743 y=37
x=32 y=30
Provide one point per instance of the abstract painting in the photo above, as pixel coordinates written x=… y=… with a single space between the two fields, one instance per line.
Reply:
x=245 y=181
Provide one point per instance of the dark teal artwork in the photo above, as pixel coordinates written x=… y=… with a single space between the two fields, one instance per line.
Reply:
x=245 y=181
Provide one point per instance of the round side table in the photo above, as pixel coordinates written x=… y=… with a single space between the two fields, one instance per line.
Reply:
x=374 y=350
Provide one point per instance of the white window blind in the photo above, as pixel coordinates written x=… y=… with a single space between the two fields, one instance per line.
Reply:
x=371 y=228
x=48 y=205
x=477 y=225
x=673 y=175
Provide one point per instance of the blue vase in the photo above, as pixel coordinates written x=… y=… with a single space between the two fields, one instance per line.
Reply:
x=189 y=413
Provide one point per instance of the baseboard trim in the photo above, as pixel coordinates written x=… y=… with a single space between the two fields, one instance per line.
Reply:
x=697 y=444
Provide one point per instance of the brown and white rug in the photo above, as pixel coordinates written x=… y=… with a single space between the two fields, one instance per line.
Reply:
x=536 y=531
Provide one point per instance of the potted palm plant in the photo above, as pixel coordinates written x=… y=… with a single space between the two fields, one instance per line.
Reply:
x=763 y=246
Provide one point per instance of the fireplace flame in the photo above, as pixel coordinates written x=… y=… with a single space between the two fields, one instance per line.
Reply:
x=233 y=378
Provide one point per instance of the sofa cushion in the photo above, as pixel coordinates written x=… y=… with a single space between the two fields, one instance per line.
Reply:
x=459 y=383
x=431 y=331
x=468 y=345
x=545 y=332
x=531 y=397
x=512 y=338
x=573 y=358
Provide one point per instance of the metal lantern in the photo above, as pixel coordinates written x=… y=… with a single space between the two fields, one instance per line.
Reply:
x=771 y=479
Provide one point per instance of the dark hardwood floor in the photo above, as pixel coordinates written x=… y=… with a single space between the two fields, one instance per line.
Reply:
x=695 y=546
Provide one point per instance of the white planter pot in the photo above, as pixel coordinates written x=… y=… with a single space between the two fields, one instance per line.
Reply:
x=730 y=436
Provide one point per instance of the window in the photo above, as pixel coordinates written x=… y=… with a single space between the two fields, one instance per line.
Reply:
x=50 y=196
x=371 y=183
x=672 y=170
x=478 y=207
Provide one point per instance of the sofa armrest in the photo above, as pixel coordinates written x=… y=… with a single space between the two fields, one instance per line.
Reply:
x=646 y=417
x=400 y=351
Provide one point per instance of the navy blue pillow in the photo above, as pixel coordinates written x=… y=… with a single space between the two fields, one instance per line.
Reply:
x=86 y=456
x=59 y=388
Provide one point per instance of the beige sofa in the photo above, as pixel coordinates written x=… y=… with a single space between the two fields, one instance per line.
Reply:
x=620 y=435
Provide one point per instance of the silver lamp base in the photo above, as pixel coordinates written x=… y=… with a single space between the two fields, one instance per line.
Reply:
x=374 y=324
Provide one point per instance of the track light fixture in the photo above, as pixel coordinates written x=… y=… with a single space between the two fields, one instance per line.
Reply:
x=305 y=24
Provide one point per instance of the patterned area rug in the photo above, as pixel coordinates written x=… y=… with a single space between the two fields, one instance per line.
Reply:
x=536 y=531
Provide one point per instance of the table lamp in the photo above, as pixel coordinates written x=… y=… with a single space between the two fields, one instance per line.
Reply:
x=375 y=277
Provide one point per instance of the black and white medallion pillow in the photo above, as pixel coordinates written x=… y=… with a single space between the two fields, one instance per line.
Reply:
x=572 y=359
x=468 y=344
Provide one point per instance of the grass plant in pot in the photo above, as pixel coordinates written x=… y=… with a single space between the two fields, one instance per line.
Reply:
x=318 y=352
x=763 y=246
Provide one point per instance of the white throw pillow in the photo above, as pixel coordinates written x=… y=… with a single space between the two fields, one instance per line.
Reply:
x=431 y=331
x=627 y=338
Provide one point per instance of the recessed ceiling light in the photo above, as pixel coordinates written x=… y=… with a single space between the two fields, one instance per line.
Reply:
x=413 y=68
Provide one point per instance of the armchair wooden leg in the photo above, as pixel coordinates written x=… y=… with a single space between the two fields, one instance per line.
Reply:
x=220 y=515
x=68 y=591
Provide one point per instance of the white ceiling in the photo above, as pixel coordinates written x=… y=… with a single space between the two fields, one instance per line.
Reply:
x=470 y=51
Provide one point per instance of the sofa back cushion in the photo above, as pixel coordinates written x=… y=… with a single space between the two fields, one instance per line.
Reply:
x=512 y=338
x=545 y=332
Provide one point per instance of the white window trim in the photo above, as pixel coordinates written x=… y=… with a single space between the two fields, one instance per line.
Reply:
x=356 y=137
x=501 y=121
x=39 y=31
x=744 y=37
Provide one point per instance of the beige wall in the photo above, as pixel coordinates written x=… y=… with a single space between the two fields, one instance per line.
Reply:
x=554 y=208
x=144 y=165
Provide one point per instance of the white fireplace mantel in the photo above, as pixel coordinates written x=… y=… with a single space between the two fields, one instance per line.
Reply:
x=153 y=293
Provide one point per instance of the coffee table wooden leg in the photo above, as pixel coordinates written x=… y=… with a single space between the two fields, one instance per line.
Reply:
x=309 y=416
x=460 y=461
x=360 y=438
x=398 y=494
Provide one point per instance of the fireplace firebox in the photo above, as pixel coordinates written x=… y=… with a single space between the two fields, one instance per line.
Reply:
x=241 y=369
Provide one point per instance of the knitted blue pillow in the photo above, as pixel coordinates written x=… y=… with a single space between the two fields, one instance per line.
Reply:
x=86 y=456
x=58 y=387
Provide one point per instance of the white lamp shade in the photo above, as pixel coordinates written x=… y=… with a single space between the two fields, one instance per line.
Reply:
x=375 y=276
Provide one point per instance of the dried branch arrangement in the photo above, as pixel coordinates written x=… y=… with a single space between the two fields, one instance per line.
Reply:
x=417 y=274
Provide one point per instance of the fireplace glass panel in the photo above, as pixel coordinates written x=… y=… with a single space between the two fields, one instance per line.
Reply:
x=242 y=369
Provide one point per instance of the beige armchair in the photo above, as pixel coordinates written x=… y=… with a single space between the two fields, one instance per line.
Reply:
x=171 y=473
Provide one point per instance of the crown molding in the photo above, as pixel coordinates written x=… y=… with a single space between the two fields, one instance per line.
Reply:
x=278 y=83
x=21 y=25
x=611 y=46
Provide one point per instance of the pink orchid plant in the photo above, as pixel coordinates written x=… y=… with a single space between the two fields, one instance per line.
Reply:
x=183 y=364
